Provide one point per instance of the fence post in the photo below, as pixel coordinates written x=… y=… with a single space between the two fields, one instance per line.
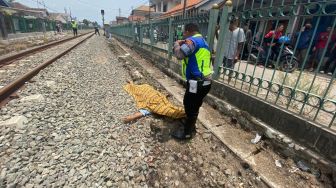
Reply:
x=133 y=33
x=141 y=35
x=3 y=29
x=212 y=25
x=220 y=44
x=34 y=24
x=44 y=29
x=171 y=38
x=12 y=24
x=151 y=35
x=25 y=25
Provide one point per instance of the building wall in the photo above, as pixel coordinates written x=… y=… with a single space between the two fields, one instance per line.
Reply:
x=159 y=4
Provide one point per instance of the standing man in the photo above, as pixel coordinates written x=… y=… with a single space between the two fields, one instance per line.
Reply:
x=155 y=34
x=96 y=30
x=74 y=26
x=196 y=69
x=58 y=28
x=321 y=44
x=304 y=41
x=234 y=42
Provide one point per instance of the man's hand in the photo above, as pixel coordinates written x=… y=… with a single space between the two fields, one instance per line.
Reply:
x=236 y=58
x=180 y=42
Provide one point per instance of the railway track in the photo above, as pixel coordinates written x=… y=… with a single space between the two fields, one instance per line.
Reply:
x=12 y=58
x=12 y=86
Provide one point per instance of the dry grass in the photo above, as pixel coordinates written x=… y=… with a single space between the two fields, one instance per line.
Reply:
x=45 y=39
x=302 y=86
x=18 y=46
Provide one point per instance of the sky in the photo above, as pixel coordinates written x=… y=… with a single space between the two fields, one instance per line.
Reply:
x=89 y=9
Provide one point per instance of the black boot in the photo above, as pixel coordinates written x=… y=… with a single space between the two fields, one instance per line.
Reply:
x=190 y=127
x=187 y=131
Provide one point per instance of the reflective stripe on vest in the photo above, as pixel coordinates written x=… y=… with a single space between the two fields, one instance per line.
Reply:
x=198 y=64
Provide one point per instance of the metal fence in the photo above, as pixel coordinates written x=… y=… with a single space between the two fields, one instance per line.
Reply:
x=16 y=24
x=293 y=69
x=14 y=21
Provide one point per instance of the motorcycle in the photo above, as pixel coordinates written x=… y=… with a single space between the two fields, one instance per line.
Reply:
x=287 y=63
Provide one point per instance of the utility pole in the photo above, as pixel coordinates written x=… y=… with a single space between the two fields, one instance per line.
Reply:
x=70 y=13
x=102 y=13
x=184 y=8
x=44 y=4
x=119 y=12
x=44 y=24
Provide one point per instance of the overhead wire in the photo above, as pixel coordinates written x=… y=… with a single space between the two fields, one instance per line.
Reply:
x=43 y=4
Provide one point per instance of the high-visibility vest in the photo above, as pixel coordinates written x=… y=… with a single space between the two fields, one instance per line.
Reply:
x=198 y=64
x=74 y=25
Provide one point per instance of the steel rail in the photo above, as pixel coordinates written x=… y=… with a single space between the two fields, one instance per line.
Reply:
x=12 y=87
x=10 y=59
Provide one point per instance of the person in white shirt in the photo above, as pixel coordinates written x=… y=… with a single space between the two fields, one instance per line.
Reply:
x=233 y=44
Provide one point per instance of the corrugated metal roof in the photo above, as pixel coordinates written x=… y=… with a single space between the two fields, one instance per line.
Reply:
x=144 y=8
x=19 y=5
x=179 y=7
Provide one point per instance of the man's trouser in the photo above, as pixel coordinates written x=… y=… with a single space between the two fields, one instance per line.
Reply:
x=331 y=61
x=74 y=31
x=301 y=54
x=193 y=101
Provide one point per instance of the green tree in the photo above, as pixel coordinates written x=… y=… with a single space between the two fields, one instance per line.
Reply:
x=86 y=22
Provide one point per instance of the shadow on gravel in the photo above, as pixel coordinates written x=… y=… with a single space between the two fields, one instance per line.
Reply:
x=162 y=129
x=200 y=162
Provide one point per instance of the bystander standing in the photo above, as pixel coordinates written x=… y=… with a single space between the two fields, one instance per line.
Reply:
x=233 y=42
x=321 y=44
x=96 y=30
x=303 y=40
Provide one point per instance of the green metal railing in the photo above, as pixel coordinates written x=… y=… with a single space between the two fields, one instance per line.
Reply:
x=19 y=24
x=260 y=71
